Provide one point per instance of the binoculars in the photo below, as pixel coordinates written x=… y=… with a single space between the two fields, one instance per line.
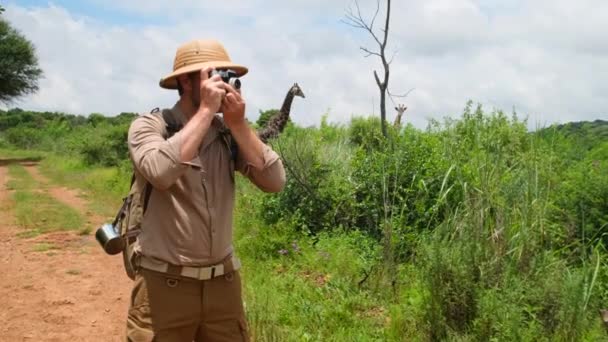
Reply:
x=228 y=76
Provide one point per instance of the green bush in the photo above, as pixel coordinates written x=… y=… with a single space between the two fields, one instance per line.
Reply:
x=106 y=146
x=317 y=195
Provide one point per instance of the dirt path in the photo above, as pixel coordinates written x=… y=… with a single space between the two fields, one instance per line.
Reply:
x=72 y=293
x=69 y=197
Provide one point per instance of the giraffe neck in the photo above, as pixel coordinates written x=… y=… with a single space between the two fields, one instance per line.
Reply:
x=398 y=118
x=277 y=123
x=287 y=103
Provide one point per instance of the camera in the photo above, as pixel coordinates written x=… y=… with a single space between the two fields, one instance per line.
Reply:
x=228 y=76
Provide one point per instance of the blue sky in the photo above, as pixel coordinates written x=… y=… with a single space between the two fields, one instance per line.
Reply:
x=548 y=60
x=100 y=11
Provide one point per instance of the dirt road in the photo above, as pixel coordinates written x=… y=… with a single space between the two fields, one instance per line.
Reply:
x=73 y=292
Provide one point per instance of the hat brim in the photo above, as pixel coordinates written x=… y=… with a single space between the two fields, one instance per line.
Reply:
x=170 y=81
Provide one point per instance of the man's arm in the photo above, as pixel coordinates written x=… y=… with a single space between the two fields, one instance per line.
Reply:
x=255 y=160
x=154 y=157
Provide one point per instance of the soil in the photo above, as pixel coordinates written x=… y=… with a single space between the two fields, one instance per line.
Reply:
x=70 y=292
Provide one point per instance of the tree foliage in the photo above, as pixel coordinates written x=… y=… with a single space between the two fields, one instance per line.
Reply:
x=19 y=71
x=265 y=116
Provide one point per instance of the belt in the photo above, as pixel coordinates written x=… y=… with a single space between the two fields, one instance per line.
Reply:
x=201 y=273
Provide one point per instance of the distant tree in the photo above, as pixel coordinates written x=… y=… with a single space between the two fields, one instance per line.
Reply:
x=19 y=71
x=123 y=118
x=96 y=119
x=354 y=18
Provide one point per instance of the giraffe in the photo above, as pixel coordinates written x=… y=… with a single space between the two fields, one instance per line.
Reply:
x=277 y=123
x=400 y=110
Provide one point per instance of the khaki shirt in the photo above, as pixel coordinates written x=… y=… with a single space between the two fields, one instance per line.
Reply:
x=188 y=220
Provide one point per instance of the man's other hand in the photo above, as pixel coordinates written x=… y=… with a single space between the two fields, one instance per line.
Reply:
x=233 y=107
x=212 y=91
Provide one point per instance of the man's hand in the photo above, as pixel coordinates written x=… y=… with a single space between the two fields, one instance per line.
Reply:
x=233 y=107
x=212 y=92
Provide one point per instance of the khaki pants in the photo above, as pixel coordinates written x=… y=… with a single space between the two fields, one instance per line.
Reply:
x=173 y=308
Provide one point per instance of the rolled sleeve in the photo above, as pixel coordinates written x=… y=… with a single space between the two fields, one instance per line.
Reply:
x=271 y=177
x=157 y=159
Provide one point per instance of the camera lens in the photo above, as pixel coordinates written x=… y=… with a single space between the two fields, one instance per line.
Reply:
x=235 y=83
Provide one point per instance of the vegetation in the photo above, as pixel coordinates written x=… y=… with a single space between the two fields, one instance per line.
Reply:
x=19 y=71
x=474 y=229
x=265 y=116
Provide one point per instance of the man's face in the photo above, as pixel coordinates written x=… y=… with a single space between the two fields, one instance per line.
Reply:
x=195 y=86
x=191 y=85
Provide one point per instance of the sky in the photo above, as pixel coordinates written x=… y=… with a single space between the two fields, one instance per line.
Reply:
x=547 y=60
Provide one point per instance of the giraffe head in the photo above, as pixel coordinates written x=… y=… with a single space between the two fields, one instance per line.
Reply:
x=297 y=91
x=401 y=108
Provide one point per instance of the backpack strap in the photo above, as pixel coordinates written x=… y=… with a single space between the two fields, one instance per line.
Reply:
x=172 y=126
x=234 y=148
x=147 y=192
x=229 y=139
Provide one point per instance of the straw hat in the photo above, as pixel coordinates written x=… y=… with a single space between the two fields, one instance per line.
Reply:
x=197 y=55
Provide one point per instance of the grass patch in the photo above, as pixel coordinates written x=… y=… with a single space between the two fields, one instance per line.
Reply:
x=73 y=272
x=37 y=211
x=305 y=291
x=85 y=231
x=43 y=247
x=28 y=234
x=6 y=153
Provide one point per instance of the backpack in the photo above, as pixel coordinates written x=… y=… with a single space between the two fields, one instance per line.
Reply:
x=130 y=215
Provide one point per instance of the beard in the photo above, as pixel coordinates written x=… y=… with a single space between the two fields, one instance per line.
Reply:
x=196 y=103
x=195 y=99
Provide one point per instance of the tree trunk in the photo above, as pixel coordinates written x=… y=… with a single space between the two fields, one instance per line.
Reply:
x=383 y=111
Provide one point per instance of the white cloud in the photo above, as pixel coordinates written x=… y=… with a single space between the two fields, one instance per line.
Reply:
x=546 y=59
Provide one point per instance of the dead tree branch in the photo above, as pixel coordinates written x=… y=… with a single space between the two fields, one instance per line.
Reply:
x=355 y=19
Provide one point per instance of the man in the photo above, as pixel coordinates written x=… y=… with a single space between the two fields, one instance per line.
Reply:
x=188 y=286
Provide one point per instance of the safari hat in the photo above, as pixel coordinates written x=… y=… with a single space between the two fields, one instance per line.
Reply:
x=197 y=55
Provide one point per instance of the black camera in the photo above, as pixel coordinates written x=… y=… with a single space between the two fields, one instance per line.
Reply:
x=228 y=76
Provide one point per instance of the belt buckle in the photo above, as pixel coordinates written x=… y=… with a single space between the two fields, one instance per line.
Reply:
x=215 y=271
x=204 y=273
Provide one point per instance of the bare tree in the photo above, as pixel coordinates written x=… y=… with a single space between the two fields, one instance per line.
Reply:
x=355 y=19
